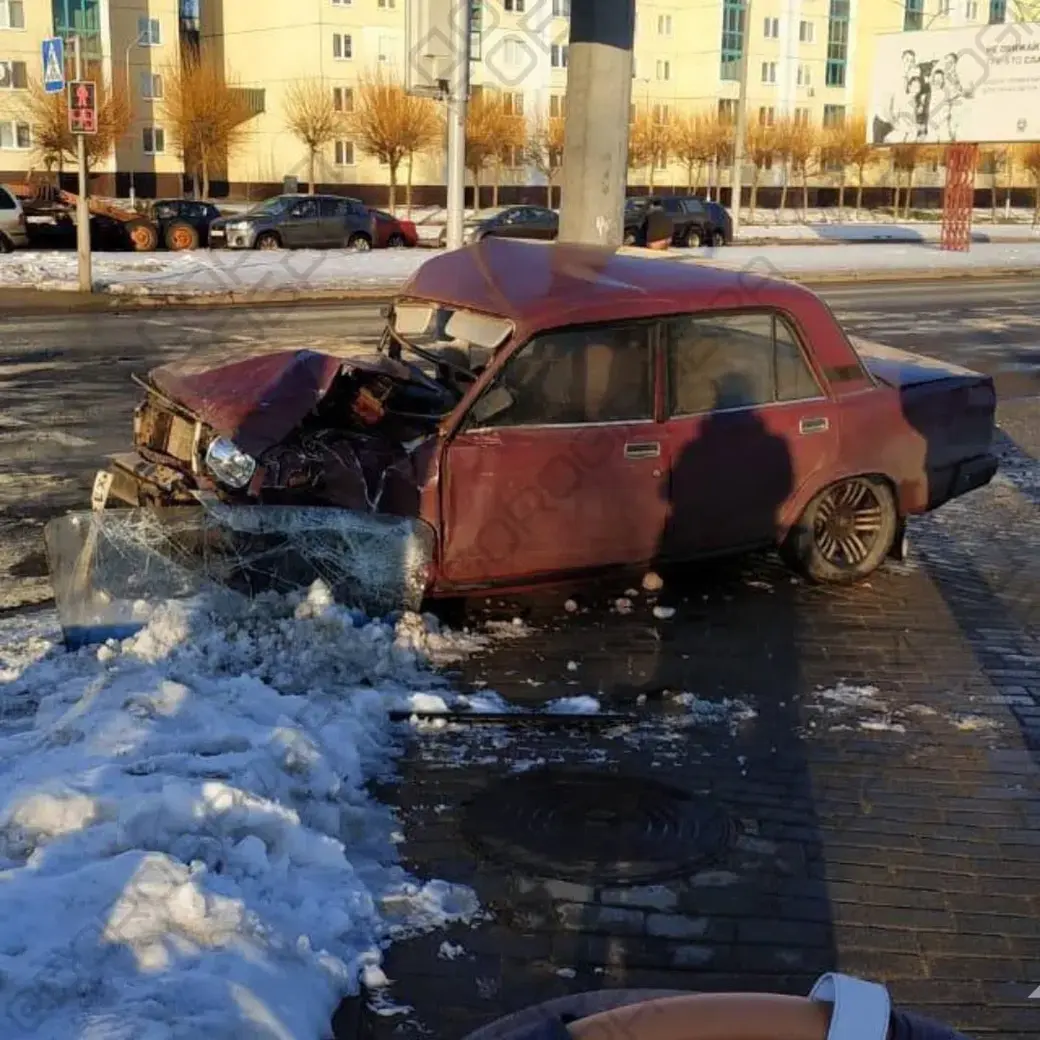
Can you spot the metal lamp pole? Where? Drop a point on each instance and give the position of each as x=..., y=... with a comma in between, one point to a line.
x=86, y=278
x=130, y=102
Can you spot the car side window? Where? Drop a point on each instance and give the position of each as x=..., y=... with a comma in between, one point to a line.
x=304, y=210
x=6, y=199
x=695, y=207
x=577, y=376
x=329, y=207
x=719, y=362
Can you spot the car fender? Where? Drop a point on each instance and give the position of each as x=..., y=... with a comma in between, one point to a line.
x=823, y=478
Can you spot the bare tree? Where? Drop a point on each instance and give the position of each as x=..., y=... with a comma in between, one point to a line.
x=905, y=160
x=48, y=119
x=861, y=154
x=847, y=145
x=207, y=114
x=311, y=116
x=783, y=136
x=391, y=124
x=545, y=149
x=1030, y=160
x=693, y=143
x=512, y=142
x=484, y=123
x=650, y=141
x=803, y=151
x=760, y=145
x=723, y=134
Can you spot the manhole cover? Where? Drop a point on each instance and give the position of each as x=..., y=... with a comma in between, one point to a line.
x=596, y=828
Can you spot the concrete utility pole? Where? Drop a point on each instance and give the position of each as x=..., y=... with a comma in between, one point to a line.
x=736, y=177
x=599, y=97
x=86, y=276
x=457, y=103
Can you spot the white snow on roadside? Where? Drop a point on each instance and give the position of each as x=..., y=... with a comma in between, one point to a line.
x=583, y=705
x=187, y=845
x=702, y=712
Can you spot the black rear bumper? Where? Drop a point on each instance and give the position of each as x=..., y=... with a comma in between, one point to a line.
x=954, y=481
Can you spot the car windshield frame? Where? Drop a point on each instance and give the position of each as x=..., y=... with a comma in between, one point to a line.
x=269, y=207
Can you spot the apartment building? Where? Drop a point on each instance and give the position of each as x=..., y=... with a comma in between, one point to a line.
x=130, y=44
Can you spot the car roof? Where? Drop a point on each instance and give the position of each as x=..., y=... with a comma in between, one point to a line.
x=542, y=285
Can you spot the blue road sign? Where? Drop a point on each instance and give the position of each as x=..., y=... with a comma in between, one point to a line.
x=54, y=65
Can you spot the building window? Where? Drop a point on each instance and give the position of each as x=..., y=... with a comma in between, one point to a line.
x=154, y=140
x=151, y=86
x=664, y=25
x=728, y=110
x=561, y=8
x=769, y=72
x=664, y=70
x=557, y=106
x=344, y=153
x=342, y=46
x=971, y=10
x=342, y=3
x=15, y=136
x=732, y=38
x=558, y=55
x=661, y=114
x=833, y=115
x=149, y=31
x=943, y=10
x=343, y=99
x=805, y=75
x=913, y=16
x=389, y=4
x=997, y=11
x=14, y=75
x=771, y=29
x=801, y=117
x=12, y=14
x=513, y=104
x=837, y=43
x=766, y=115
x=514, y=5
x=807, y=32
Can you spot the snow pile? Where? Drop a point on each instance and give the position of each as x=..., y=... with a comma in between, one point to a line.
x=728, y=711
x=187, y=847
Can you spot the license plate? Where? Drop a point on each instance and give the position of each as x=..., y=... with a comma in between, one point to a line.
x=102, y=487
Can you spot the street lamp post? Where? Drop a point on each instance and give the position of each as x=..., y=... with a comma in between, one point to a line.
x=130, y=101
x=736, y=179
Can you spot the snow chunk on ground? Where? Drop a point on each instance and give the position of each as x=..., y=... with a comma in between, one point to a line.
x=187, y=844
x=583, y=705
x=704, y=712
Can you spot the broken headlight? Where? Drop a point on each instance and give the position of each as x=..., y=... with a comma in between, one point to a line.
x=229, y=465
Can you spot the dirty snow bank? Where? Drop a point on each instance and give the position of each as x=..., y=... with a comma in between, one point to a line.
x=187, y=847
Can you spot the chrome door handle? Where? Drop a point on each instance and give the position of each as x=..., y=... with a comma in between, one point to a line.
x=644, y=450
x=814, y=425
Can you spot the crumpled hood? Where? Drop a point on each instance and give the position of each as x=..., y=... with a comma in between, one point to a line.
x=258, y=402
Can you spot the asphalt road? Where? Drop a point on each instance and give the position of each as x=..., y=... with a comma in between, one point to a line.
x=66, y=395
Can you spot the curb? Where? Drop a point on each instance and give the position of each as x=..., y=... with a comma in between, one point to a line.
x=114, y=303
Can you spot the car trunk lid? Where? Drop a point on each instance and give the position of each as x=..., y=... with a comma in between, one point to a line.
x=900, y=368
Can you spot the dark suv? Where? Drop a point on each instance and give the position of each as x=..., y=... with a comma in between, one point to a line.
x=694, y=222
x=298, y=222
x=183, y=223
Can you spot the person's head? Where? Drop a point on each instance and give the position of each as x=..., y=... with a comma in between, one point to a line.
x=914, y=86
x=938, y=79
x=909, y=57
x=950, y=61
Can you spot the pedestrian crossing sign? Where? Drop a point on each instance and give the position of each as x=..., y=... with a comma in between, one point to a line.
x=54, y=65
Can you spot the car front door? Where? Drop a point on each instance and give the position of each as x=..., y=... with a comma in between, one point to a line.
x=748, y=426
x=564, y=472
x=698, y=217
x=300, y=227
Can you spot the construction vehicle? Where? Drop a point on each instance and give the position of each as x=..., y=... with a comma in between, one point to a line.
x=142, y=233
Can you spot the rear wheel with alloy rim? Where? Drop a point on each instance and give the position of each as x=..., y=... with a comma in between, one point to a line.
x=846, y=531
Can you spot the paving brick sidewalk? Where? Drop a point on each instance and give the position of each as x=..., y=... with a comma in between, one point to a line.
x=897, y=838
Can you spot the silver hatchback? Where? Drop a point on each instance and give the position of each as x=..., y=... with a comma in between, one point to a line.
x=13, y=232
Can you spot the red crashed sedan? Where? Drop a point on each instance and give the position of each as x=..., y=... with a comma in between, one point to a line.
x=392, y=233
x=544, y=410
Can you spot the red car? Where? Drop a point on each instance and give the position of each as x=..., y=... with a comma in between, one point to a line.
x=392, y=233
x=547, y=411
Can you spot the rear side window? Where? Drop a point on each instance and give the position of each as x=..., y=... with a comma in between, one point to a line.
x=580, y=376
x=694, y=206
x=7, y=200
x=330, y=207
x=729, y=361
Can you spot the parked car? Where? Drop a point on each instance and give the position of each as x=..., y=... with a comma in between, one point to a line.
x=693, y=223
x=721, y=218
x=535, y=222
x=550, y=410
x=183, y=223
x=13, y=229
x=298, y=222
x=392, y=233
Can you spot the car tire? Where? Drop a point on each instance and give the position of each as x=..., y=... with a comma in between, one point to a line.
x=359, y=242
x=267, y=240
x=6, y=245
x=846, y=532
x=181, y=236
x=692, y=238
x=143, y=235
x=630, y=238
x=396, y=241
x=718, y=239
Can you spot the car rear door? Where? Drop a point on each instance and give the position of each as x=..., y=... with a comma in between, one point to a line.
x=299, y=229
x=748, y=427
x=570, y=475
x=331, y=223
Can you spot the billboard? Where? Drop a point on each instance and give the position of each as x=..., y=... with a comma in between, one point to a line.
x=977, y=84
